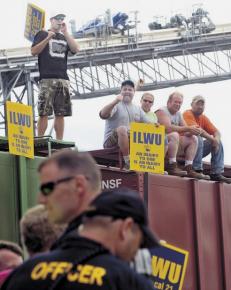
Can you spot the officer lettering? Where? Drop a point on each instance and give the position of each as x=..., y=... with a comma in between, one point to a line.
x=84, y=274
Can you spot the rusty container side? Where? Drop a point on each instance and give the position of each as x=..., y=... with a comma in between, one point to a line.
x=208, y=235
x=114, y=178
x=225, y=210
x=191, y=214
x=171, y=215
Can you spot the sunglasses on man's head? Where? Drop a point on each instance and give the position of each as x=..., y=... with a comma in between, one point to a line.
x=147, y=101
x=47, y=188
x=59, y=18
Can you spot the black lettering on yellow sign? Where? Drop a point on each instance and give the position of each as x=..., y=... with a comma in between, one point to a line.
x=147, y=160
x=163, y=268
x=84, y=274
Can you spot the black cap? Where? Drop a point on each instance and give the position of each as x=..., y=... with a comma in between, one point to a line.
x=122, y=203
x=128, y=83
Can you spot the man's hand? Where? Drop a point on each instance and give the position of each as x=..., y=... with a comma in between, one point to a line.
x=139, y=84
x=119, y=98
x=106, y=111
x=39, y=47
x=50, y=34
x=194, y=130
x=63, y=28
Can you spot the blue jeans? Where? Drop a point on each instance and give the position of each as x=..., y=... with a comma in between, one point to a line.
x=217, y=159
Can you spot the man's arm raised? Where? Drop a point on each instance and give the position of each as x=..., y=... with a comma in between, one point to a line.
x=106, y=111
x=38, y=48
x=74, y=47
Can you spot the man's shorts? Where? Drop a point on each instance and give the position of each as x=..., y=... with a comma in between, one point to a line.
x=112, y=140
x=54, y=96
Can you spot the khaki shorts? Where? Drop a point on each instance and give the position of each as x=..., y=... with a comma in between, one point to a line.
x=112, y=140
x=54, y=96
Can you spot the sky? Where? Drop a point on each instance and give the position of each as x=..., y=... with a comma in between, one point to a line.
x=85, y=126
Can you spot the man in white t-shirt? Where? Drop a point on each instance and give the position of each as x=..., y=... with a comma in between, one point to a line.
x=118, y=115
x=182, y=139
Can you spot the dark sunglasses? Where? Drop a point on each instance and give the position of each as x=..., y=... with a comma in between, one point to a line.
x=59, y=18
x=147, y=101
x=47, y=188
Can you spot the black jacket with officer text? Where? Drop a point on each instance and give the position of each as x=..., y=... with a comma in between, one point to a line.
x=78, y=263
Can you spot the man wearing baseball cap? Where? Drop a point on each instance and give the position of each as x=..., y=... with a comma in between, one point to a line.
x=52, y=48
x=209, y=140
x=57, y=15
x=114, y=227
x=124, y=204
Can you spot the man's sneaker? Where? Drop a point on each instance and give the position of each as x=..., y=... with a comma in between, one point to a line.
x=172, y=169
x=194, y=174
x=220, y=177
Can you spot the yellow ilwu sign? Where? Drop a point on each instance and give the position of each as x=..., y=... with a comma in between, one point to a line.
x=35, y=21
x=20, y=129
x=147, y=147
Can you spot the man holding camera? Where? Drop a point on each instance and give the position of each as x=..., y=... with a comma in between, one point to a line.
x=52, y=48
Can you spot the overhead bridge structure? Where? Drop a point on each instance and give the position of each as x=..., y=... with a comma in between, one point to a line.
x=162, y=58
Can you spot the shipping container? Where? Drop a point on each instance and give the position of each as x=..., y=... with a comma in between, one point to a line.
x=190, y=214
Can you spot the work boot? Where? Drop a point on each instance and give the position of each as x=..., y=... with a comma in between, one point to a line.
x=126, y=165
x=220, y=177
x=172, y=169
x=194, y=174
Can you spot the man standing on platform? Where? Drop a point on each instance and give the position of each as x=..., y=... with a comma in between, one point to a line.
x=52, y=48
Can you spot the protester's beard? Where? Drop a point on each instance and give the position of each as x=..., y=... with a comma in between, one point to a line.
x=127, y=99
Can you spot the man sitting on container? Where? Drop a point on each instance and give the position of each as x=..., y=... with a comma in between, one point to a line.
x=118, y=115
x=181, y=138
x=209, y=140
x=146, y=102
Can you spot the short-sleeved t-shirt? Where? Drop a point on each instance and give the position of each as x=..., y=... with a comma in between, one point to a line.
x=122, y=115
x=175, y=119
x=202, y=121
x=52, y=60
x=152, y=117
